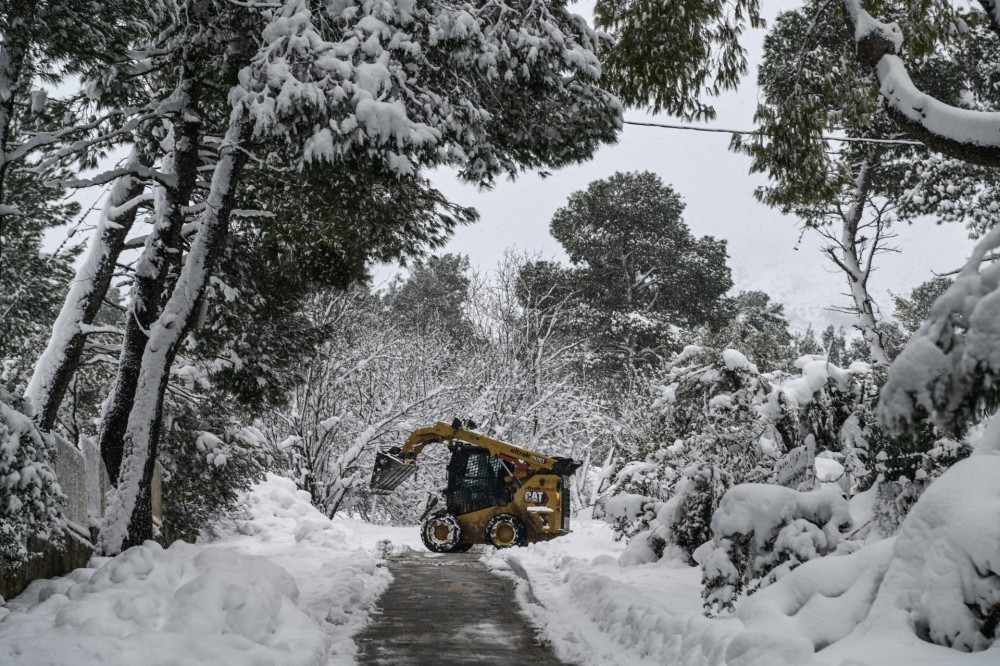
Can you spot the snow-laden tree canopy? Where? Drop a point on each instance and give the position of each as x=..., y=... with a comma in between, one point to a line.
x=365, y=92
x=490, y=89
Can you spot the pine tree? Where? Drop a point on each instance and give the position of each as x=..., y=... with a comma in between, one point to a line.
x=440, y=102
x=638, y=274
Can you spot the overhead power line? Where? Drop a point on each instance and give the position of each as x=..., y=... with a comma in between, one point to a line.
x=720, y=130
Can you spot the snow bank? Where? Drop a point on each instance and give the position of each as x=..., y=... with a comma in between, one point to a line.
x=945, y=573
x=823, y=600
x=282, y=586
x=597, y=613
x=758, y=509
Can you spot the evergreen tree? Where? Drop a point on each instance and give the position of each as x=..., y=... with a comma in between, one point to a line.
x=233, y=91
x=31, y=280
x=758, y=329
x=638, y=275
x=670, y=56
x=853, y=194
x=434, y=295
x=914, y=311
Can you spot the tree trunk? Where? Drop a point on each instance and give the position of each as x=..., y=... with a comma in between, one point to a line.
x=61, y=357
x=13, y=53
x=857, y=273
x=128, y=516
x=160, y=257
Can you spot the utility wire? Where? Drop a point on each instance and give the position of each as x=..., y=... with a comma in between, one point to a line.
x=845, y=139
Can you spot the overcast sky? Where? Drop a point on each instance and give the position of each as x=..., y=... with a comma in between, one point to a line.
x=764, y=248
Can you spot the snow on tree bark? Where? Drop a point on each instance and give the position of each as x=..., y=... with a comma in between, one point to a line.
x=61, y=357
x=128, y=521
x=159, y=260
x=856, y=267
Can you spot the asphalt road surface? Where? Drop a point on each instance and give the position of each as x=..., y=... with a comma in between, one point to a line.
x=449, y=610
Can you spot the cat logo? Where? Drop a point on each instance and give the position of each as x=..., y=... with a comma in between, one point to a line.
x=536, y=497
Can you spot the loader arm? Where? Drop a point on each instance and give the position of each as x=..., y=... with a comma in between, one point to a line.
x=396, y=465
x=442, y=432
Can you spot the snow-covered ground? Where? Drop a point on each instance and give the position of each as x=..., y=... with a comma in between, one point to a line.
x=596, y=612
x=283, y=585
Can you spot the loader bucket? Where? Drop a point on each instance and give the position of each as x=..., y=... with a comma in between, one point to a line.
x=389, y=472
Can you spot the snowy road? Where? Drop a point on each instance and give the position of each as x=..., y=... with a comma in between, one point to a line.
x=449, y=609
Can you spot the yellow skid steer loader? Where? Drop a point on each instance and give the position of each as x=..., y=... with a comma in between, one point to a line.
x=497, y=493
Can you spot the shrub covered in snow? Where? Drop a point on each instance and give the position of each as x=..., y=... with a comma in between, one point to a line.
x=681, y=523
x=30, y=496
x=208, y=467
x=903, y=475
x=720, y=422
x=760, y=533
x=944, y=578
x=709, y=433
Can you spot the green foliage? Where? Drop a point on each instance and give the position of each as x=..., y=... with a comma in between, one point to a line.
x=254, y=331
x=810, y=80
x=761, y=533
x=915, y=310
x=812, y=83
x=638, y=275
x=670, y=55
x=709, y=402
x=904, y=474
x=209, y=463
x=757, y=327
x=326, y=225
x=434, y=294
x=634, y=253
x=32, y=282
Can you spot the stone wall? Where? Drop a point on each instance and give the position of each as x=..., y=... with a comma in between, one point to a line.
x=85, y=483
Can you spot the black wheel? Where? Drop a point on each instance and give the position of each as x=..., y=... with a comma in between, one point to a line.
x=442, y=533
x=506, y=530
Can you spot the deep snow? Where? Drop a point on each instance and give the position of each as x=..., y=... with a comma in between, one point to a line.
x=285, y=585
x=596, y=612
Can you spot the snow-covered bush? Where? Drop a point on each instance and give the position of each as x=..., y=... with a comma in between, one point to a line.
x=760, y=533
x=639, y=485
x=825, y=408
x=683, y=522
x=208, y=467
x=944, y=578
x=30, y=496
x=708, y=432
x=903, y=475
x=710, y=405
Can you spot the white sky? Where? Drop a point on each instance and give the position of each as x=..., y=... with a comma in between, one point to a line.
x=764, y=247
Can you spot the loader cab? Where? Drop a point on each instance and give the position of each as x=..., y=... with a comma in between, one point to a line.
x=475, y=480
